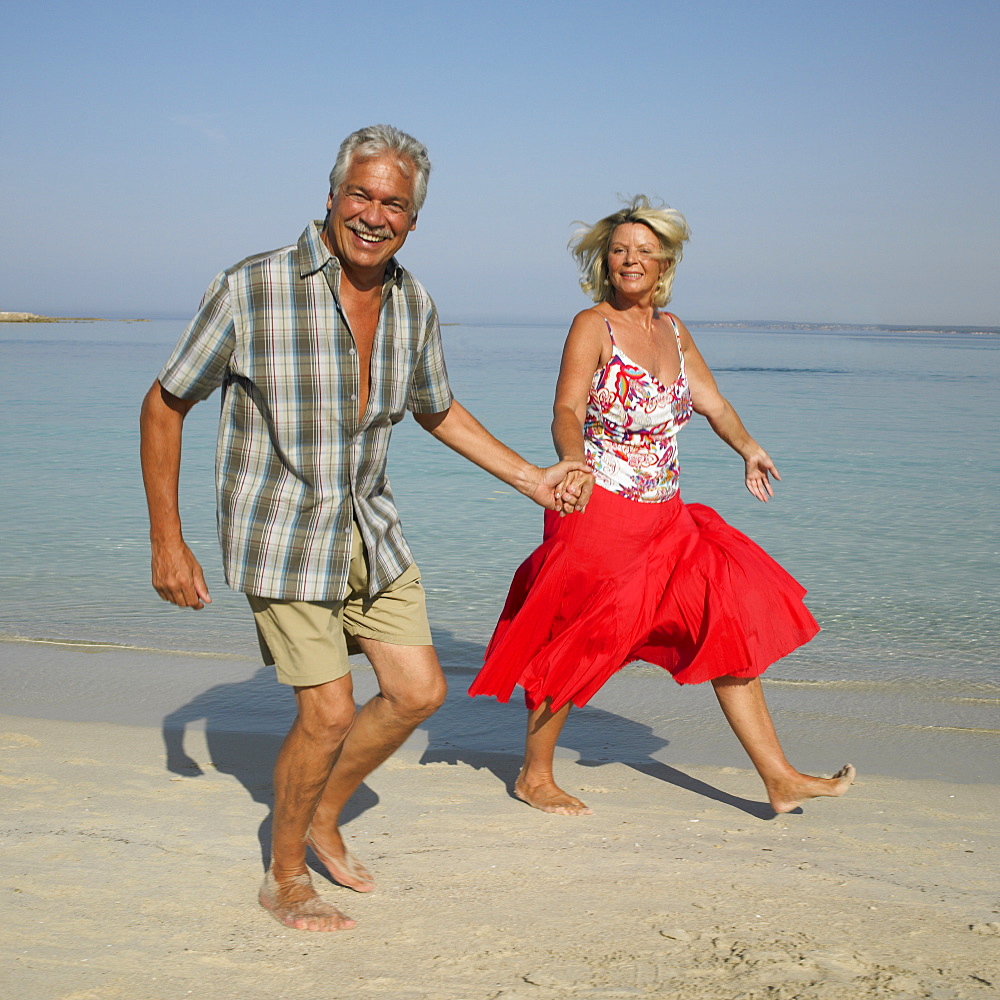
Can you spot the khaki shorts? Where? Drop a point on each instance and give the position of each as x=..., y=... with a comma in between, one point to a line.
x=309, y=641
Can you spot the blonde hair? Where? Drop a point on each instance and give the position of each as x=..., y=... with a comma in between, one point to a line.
x=591, y=246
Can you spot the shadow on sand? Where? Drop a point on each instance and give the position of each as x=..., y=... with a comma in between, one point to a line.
x=480, y=733
x=269, y=709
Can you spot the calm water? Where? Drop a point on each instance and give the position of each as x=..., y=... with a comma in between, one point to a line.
x=887, y=510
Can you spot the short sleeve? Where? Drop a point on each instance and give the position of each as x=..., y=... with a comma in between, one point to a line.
x=198, y=363
x=430, y=391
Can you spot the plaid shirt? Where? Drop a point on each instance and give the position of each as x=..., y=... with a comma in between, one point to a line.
x=294, y=465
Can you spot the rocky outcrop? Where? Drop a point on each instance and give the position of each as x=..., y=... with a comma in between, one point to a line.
x=15, y=317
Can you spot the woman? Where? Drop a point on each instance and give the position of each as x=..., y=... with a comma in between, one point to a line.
x=634, y=573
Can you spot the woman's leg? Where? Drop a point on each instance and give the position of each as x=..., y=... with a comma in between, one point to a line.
x=535, y=784
x=742, y=701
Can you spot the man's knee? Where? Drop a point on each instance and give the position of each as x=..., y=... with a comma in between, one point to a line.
x=326, y=711
x=418, y=701
x=432, y=697
x=409, y=677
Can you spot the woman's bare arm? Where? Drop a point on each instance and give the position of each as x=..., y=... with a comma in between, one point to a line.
x=725, y=421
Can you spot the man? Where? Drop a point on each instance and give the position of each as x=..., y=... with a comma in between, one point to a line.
x=319, y=348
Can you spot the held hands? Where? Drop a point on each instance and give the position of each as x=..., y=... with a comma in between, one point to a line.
x=758, y=467
x=177, y=575
x=564, y=487
x=573, y=493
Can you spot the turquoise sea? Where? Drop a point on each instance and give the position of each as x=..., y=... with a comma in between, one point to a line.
x=887, y=509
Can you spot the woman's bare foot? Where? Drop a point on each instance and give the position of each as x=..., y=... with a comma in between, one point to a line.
x=549, y=797
x=787, y=794
x=344, y=868
x=293, y=901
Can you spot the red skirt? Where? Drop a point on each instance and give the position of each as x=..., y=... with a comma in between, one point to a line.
x=669, y=583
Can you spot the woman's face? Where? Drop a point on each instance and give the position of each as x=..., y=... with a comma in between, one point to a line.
x=634, y=262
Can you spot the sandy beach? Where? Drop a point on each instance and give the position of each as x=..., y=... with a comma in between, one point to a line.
x=131, y=863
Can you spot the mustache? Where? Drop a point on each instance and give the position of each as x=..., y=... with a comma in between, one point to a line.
x=363, y=229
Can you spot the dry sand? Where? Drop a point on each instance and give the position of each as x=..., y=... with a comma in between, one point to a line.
x=124, y=879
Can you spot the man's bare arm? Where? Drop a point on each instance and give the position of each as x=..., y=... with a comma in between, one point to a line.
x=460, y=430
x=177, y=576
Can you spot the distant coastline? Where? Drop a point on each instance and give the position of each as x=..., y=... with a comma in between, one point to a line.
x=773, y=326
x=23, y=317
x=779, y=325
x=776, y=326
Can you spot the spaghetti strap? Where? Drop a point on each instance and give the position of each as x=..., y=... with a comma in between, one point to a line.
x=607, y=323
x=677, y=337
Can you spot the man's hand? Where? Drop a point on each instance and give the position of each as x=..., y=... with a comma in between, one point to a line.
x=177, y=576
x=550, y=494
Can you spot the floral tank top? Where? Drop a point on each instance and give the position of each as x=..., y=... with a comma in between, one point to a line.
x=630, y=430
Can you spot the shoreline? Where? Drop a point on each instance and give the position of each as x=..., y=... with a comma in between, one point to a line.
x=680, y=884
x=640, y=719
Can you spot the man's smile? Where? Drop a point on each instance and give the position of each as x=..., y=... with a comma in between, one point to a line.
x=369, y=235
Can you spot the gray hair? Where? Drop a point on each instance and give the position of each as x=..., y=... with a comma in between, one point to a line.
x=380, y=140
x=590, y=246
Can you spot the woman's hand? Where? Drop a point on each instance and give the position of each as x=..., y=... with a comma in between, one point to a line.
x=573, y=493
x=546, y=489
x=758, y=467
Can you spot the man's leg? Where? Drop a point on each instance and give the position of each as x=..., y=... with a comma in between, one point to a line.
x=742, y=702
x=411, y=688
x=325, y=716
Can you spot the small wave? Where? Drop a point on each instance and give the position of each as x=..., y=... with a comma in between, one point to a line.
x=938, y=687
x=784, y=371
x=93, y=647
x=949, y=729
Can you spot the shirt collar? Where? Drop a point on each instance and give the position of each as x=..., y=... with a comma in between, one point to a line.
x=314, y=255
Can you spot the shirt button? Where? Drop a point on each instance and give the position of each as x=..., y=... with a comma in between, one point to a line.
x=354, y=395
x=352, y=352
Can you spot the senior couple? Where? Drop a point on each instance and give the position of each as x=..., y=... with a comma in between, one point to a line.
x=319, y=348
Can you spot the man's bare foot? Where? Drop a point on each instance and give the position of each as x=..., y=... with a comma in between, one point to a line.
x=550, y=798
x=789, y=793
x=344, y=868
x=293, y=901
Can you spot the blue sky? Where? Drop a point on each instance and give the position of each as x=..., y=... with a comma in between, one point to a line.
x=836, y=161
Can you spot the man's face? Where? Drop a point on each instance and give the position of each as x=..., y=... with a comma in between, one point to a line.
x=370, y=215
